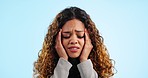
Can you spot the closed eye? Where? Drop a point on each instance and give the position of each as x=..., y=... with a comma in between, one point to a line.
x=80, y=36
x=66, y=36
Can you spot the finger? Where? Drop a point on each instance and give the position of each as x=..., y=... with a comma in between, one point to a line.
x=59, y=36
x=58, y=40
x=87, y=38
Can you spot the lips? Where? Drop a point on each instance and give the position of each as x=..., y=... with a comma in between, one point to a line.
x=73, y=49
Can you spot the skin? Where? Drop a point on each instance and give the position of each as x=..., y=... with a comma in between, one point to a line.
x=71, y=42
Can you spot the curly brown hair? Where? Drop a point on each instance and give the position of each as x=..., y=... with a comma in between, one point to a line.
x=48, y=56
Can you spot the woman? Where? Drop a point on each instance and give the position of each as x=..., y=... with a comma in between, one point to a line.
x=73, y=48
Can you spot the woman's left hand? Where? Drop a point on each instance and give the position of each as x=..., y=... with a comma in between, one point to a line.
x=87, y=47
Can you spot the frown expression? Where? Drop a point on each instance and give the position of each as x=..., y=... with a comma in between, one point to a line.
x=73, y=37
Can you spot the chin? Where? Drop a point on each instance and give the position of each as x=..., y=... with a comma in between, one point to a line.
x=73, y=57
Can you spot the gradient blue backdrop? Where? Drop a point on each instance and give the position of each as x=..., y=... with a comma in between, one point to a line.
x=122, y=23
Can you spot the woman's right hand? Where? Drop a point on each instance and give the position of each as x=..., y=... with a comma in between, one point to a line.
x=59, y=47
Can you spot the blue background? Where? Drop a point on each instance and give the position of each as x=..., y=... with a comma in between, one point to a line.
x=122, y=23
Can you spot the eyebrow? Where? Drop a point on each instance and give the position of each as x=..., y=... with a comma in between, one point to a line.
x=79, y=30
x=75, y=30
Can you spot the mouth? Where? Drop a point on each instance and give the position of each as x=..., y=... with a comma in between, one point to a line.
x=73, y=49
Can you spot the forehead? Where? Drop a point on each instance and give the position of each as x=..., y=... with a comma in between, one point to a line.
x=73, y=24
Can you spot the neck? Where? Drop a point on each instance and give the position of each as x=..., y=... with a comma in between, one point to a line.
x=74, y=61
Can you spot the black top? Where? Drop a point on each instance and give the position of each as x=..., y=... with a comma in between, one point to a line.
x=74, y=72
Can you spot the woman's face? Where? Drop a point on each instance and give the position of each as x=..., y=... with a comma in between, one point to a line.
x=73, y=37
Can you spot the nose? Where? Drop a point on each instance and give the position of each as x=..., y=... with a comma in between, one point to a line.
x=73, y=39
